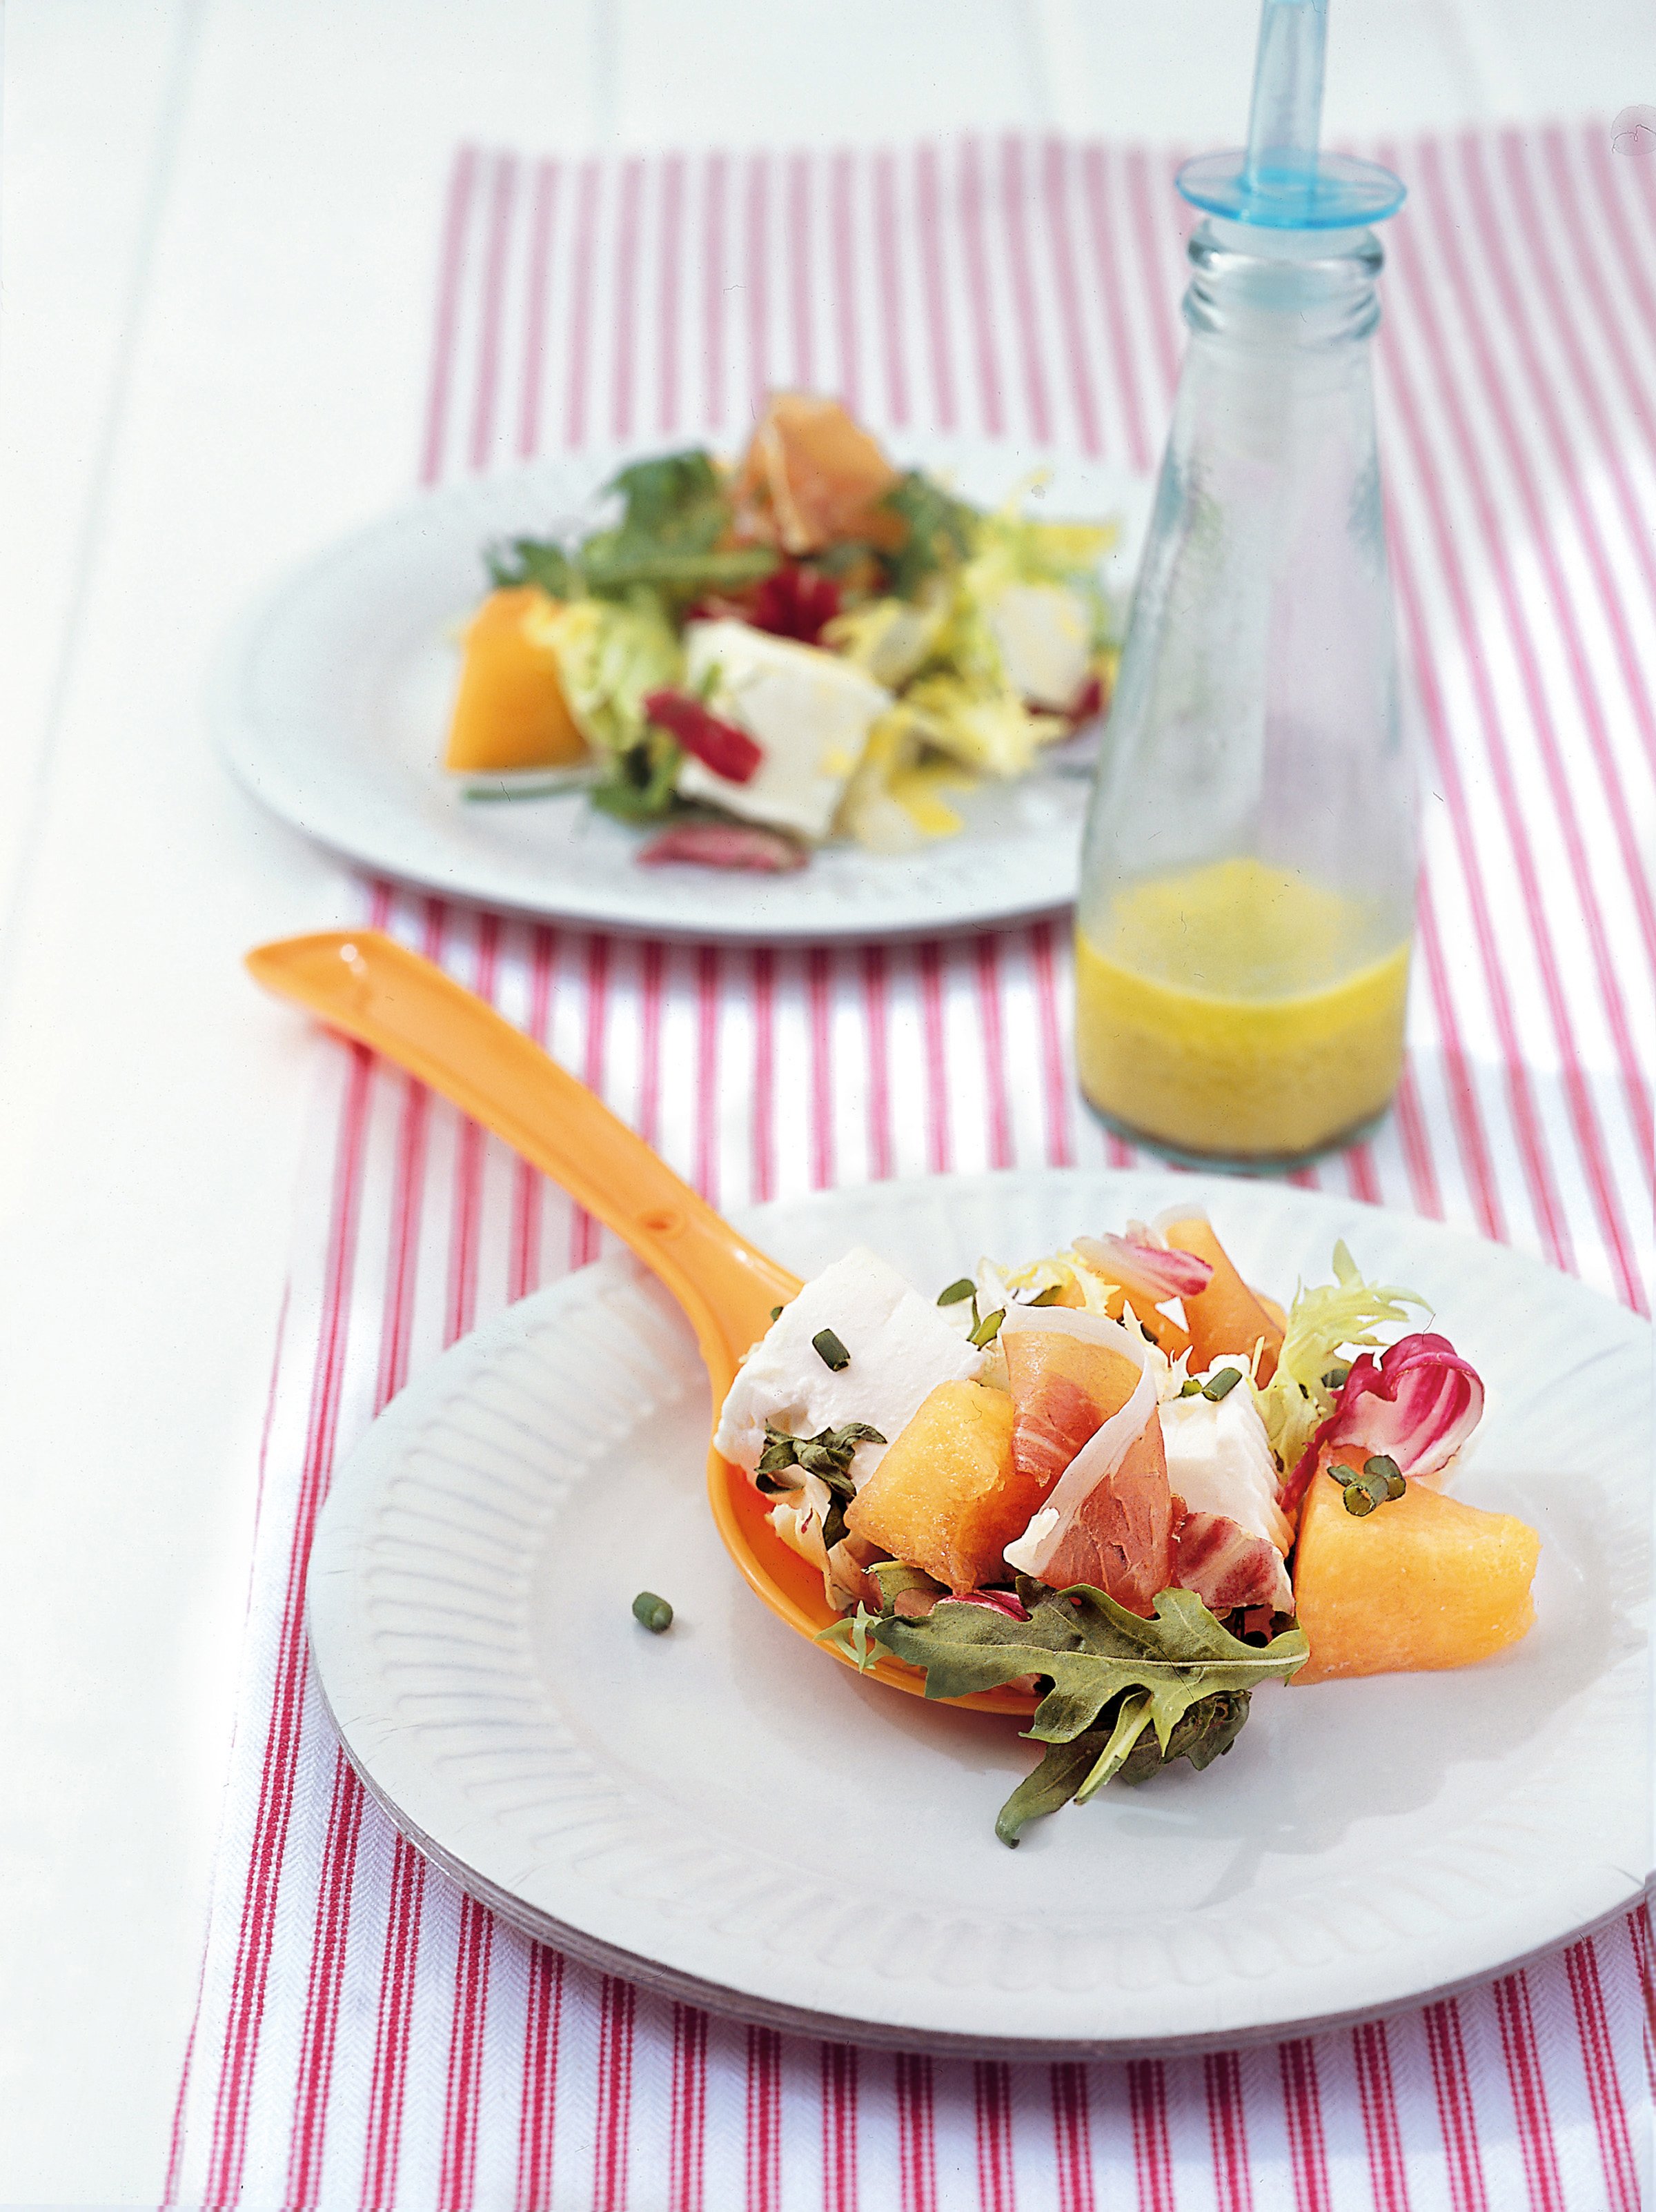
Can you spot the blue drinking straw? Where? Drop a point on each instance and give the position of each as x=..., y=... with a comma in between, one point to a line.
x=1282, y=181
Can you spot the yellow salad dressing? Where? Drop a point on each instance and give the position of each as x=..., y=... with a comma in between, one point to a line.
x=1239, y=1010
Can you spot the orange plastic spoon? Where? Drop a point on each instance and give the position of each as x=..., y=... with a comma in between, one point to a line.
x=366, y=984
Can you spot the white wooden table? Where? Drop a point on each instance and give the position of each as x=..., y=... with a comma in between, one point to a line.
x=205, y=372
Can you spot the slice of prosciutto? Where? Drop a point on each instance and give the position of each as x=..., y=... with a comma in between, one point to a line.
x=1067, y=1377
x=1108, y=1518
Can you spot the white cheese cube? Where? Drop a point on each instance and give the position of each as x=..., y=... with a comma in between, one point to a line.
x=900, y=1346
x=1219, y=1460
x=1045, y=633
x=808, y=711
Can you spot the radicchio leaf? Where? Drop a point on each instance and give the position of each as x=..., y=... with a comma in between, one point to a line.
x=1152, y=1269
x=724, y=845
x=1418, y=1403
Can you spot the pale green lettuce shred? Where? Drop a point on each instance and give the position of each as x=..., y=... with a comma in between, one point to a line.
x=941, y=654
x=610, y=654
x=976, y=719
x=1323, y=1321
x=890, y=639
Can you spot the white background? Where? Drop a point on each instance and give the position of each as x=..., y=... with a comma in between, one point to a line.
x=215, y=268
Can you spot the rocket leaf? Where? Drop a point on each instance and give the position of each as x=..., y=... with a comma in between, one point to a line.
x=1207, y=1731
x=1089, y=1650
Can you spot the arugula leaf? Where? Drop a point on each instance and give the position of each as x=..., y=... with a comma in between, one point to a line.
x=940, y=528
x=674, y=511
x=639, y=787
x=851, y=1634
x=611, y=565
x=1206, y=1732
x=673, y=500
x=827, y=1455
x=533, y=561
x=899, y=1582
x=1048, y=1787
x=1090, y=1649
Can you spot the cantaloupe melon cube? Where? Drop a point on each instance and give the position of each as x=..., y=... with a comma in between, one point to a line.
x=1226, y=1317
x=509, y=711
x=1421, y=1582
x=946, y=1497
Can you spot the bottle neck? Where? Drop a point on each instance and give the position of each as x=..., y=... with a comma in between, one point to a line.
x=1305, y=291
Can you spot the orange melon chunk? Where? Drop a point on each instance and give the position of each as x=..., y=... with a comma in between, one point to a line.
x=509, y=711
x=1423, y=1582
x=946, y=1497
x=1225, y=1317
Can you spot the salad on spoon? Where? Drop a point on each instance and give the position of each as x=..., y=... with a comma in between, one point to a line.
x=1122, y=1480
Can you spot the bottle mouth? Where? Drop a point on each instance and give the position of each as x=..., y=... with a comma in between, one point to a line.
x=1331, y=191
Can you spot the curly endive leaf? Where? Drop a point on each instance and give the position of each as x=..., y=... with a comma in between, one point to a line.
x=1090, y=1649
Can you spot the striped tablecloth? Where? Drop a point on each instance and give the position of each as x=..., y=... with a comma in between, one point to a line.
x=367, y=2035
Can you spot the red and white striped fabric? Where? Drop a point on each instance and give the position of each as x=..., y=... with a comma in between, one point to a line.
x=366, y=2034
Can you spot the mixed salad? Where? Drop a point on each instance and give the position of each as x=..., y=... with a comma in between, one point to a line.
x=1122, y=1478
x=746, y=661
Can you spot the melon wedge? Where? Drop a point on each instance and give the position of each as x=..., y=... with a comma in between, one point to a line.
x=509, y=711
x=946, y=1497
x=1421, y=1582
x=1226, y=1317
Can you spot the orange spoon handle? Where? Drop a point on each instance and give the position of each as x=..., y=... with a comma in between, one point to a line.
x=363, y=982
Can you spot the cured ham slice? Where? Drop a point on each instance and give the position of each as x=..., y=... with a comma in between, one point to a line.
x=1224, y=1315
x=1066, y=1379
x=1226, y=1567
x=1108, y=1520
x=811, y=476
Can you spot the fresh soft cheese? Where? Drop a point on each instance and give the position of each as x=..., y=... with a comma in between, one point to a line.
x=1044, y=636
x=808, y=711
x=900, y=1347
x=1219, y=1460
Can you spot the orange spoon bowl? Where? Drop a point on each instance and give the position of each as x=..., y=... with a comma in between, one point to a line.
x=364, y=984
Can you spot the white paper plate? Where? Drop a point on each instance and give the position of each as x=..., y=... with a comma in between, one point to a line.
x=725, y=1814
x=331, y=700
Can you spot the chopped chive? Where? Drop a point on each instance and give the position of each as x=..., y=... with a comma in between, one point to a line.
x=1335, y=1377
x=1049, y=1296
x=1374, y=1486
x=776, y=1313
x=988, y=1327
x=1190, y=1388
x=829, y=1349
x=652, y=1612
x=1383, y=1468
x=956, y=1292
x=1221, y=1384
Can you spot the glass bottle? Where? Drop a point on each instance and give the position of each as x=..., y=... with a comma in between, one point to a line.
x=1247, y=887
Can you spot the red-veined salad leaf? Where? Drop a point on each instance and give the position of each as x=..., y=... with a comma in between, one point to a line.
x=1417, y=1404
x=711, y=844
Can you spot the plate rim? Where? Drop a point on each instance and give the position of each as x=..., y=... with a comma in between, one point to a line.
x=731, y=2001
x=266, y=776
